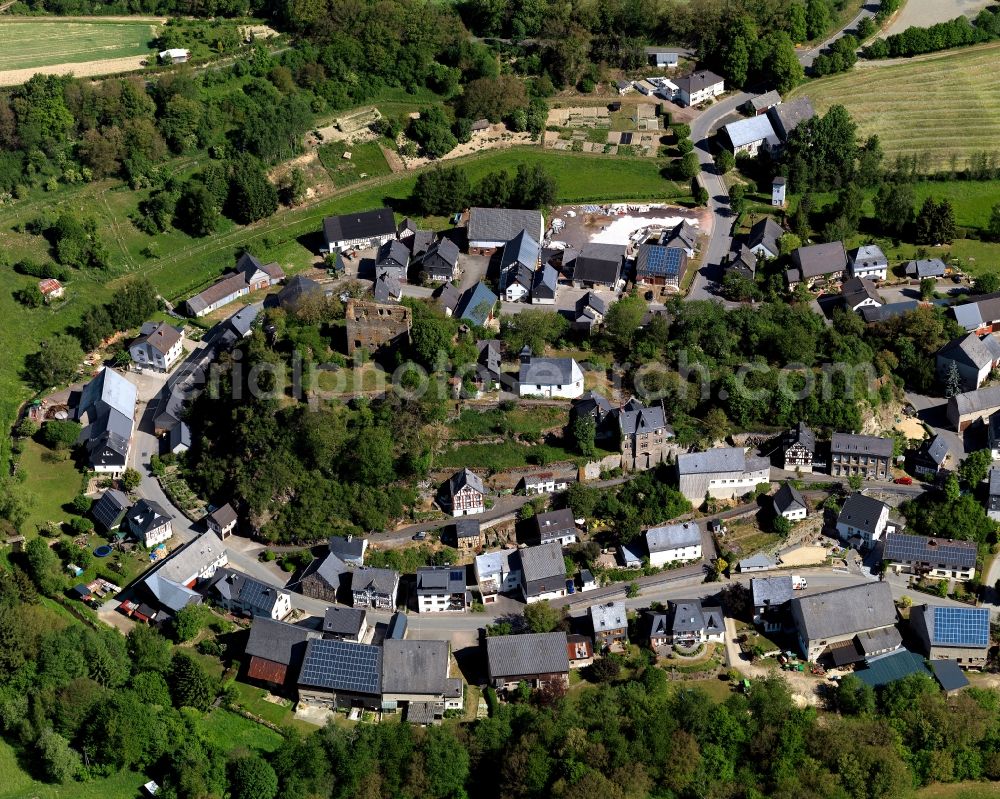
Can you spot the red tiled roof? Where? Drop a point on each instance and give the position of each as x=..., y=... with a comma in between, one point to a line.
x=266, y=670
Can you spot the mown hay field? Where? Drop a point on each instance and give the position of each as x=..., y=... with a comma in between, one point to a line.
x=942, y=104
x=29, y=44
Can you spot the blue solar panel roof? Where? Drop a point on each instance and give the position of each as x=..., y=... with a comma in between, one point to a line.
x=342, y=666
x=657, y=260
x=961, y=626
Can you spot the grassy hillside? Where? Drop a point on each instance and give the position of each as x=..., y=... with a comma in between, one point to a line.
x=942, y=104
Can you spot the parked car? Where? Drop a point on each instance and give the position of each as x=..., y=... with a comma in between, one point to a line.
x=903, y=481
x=420, y=536
x=570, y=586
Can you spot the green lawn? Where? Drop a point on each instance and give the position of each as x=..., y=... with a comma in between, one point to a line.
x=25, y=44
x=16, y=783
x=507, y=455
x=366, y=161
x=932, y=106
x=231, y=731
x=531, y=421
x=50, y=484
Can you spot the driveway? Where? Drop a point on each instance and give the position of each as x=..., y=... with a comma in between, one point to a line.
x=806, y=57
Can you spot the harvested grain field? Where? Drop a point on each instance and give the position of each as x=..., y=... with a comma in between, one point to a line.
x=924, y=13
x=935, y=106
x=49, y=43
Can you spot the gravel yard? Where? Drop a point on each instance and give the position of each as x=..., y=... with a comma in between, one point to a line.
x=923, y=13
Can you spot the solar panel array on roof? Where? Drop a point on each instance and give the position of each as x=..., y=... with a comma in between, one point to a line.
x=626, y=138
x=961, y=626
x=342, y=666
x=922, y=549
x=657, y=260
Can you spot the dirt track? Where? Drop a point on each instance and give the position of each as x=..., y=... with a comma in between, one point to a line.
x=87, y=69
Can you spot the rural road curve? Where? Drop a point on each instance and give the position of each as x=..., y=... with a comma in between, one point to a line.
x=806, y=57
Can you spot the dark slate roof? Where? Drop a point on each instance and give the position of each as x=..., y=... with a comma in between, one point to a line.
x=467, y=528
x=820, y=259
x=465, y=477
x=788, y=116
x=477, y=304
x=636, y=418
x=223, y=516
x=236, y=586
x=697, y=81
x=845, y=611
x=549, y=371
x=414, y=667
x=658, y=260
x=766, y=232
x=502, y=224
x=788, y=497
x=803, y=435
x=382, y=581
x=856, y=290
x=366, y=224
x=925, y=267
x=146, y=515
x=278, y=641
x=110, y=508
x=158, y=335
x=180, y=436
x=685, y=616
x=342, y=666
x=387, y=288
x=861, y=512
x=591, y=300
x=851, y=444
x=949, y=675
x=522, y=250
x=723, y=459
x=871, y=642
x=599, y=263
x=546, y=282
x=344, y=621
x=531, y=653
x=445, y=249
x=543, y=562
x=328, y=569
x=971, y=349
x=556, y=522
x=397, y=627
x=347, y=548
x=448, y=296
x=771, y=591
x=976, y=401
x=935, y=449
x=393, y=253
x=673, y=536
x=905, y=548
x=608, y=616
x=432, y=580
x=871, y=314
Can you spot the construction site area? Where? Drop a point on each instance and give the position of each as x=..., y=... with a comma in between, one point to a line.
x=635, y=129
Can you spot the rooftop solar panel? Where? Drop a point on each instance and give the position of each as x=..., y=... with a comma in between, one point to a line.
x=342, y=666
x=626, y=138
x=655, y=259
x=961, y=626
x=921, y=549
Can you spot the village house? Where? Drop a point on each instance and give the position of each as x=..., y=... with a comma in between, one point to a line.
x=938, y=558
x=981, y=316
x=862, y=517
x=477, y=305
x=275, y=650
x=750, y=136
x=171, y=584
x=772, y=597
x=106, y=410
x=661, y=57
x=610, y=625
x=447, y=298
x=159, y=345
x=222, y=521
x=463, y=494
x=597, y=265
x=544, y=483
x=830, y=620
x=958, y=634
x=51, y=289
x=654, y=629
x=762, y=102
x=374, y=588
x=325, y=578
x=972, y=357
x=673, y=542
x=442, y=588
x=756, y=563
x=555, y=526
x=696, y=88
x=358, y=230
x=387, y=289
x=579, y=650
x=742, y=261
x=973, y=406
x=518, y=262
x=763, y=238
x=553, y=378
x=415, y=680
x=244, y=595
x=174, y=55
x=345, y=624
x=789, y=503
x=468, y=535
x=545, y=286
x=817, y=261
x=799, y=449
x=372, y=325
x=250, y=275
x=930, y=458
x=350, y=549
x=660, y=265
x=724, y=473
x=623, y=87
x=869, y=456
x=110, y=508
x=590, y=313
x=787, y=116
x=179, y=439
x=641, y=434
x=993, y=496
x=340, y=674
x=860, y=292
x=689, y=623
x=539, y=659
x=149, y=523
x=543, y=573
x=440, y=262
x=925, y=268
x=489, y=229
x=497, y=573
x=868, y=262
